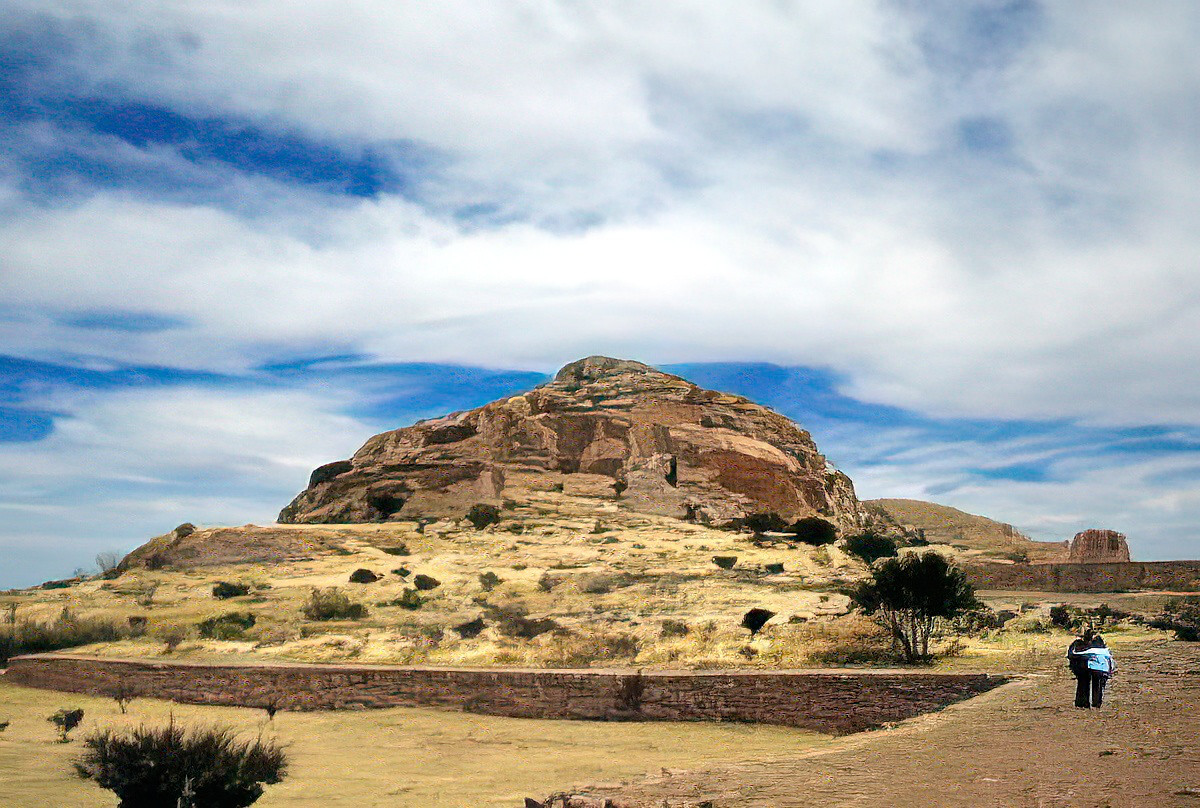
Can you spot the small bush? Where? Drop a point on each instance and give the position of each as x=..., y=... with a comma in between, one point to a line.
x=1181, y=617
x=674, y=628
x=489, y=580
x=223, y=590
x=65, y=721
x=513, y=621
x=399, y=550
x=425, y=583
x=870, y=547
x=63, y=584
x=482, y=514
x=229, y=626
x=773, y=569
x=409, y=599
x=769, y=522
x=172, y=637
x=981, y=619
x=363, y=576
x=403, y=572
x=600, y=583
x=160, y=767
x=814, y=530
x=755, y=619
x=725, y=562
x=470, y=629
x=332, y=604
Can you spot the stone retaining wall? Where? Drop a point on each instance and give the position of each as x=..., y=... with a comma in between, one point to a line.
x=826, y=701
x=1129, y=576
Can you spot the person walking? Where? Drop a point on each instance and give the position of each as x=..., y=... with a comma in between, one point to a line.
x=1101, y=667
x=1077, y=660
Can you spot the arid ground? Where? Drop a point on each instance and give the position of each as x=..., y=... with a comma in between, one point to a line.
x=1020, y=745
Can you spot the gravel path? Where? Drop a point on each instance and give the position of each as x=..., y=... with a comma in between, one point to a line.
x=1023, y=744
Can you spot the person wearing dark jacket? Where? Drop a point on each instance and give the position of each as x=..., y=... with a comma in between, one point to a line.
x=1078, y=662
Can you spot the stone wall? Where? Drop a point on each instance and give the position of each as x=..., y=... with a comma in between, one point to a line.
x=827, y=701
x=1158, y=576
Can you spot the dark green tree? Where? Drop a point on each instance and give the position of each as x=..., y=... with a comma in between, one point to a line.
x=910, y=595
x=870, y=546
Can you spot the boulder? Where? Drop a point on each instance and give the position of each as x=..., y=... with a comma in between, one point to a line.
x=605, y=428
x=1098, y=547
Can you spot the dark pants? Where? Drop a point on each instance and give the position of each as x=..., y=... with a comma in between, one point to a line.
x=1099, y=680
x=1083, y=688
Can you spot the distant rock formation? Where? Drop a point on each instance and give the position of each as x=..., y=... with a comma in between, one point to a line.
x=603, y=427
x=942, y=524
x=1098, y=547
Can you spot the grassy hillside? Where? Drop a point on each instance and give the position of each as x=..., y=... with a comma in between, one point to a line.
x=560, y=581
x=966, y=531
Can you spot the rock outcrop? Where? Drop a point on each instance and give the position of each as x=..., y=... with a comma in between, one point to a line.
x=1098, y=547
x=602, y=427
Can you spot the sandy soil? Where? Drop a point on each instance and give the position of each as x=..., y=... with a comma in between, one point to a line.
x=1023, y=744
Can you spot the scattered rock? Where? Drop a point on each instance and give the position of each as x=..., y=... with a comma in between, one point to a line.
x=425, y=582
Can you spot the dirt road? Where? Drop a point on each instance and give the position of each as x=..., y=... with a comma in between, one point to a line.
x=1023, y=744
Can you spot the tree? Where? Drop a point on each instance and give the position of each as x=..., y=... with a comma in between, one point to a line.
x=152, y=767
x=911, y=595
x=108, y=562
x=482, y=514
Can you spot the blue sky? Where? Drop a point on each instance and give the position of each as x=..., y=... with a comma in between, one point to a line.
x=956, y=240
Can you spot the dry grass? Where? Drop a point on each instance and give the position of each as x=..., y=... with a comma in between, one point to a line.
x=395, y=757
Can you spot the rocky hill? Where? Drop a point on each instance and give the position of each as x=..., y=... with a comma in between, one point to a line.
x=942, y=524
x=1098, y=547
x=603, y=428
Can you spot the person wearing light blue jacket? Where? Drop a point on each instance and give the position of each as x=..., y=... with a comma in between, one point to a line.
x=1101, y=667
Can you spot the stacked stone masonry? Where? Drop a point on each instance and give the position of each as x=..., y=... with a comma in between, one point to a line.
x=827, y=701
x=1132, y=576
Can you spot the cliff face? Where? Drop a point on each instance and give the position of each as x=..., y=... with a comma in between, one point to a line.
x=603, y=427
x=1098, y=546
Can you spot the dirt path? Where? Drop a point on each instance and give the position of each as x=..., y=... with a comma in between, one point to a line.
x=1020, y=745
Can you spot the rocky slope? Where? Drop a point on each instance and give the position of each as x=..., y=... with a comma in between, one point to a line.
x=604, y=428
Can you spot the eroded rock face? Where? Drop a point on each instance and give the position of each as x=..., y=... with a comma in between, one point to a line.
x=1098, y=547
x=603, y=427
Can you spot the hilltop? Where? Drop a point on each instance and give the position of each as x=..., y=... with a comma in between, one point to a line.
x=968, y=532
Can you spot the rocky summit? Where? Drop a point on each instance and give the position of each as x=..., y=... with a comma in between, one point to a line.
x=1098, y=547
x=653, y=442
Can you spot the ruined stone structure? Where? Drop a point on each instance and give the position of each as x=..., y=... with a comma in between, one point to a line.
x=826, y=701
x=602, y=427
x=1098, y=547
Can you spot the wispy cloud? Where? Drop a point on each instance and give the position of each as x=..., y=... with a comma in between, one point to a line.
x=974, y=215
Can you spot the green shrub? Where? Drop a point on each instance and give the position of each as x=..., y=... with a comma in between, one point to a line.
x=814, y=530
x=161, y=767
x=65, y=721
x=425, y=582
x=725, y=562
x=514, y=621
x=768, y=522
x=674, y=628
x=482, y=514
x=870, y=546
x=470, y=629
x=66, y=631
x=1181, y=617
x=399, y=550
x=755, y=619
x=489, y=580
x=363, y=576
x=409, y=599
x=230, y=626
x=224, y=590
x=63, y=584
x=332, y=604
